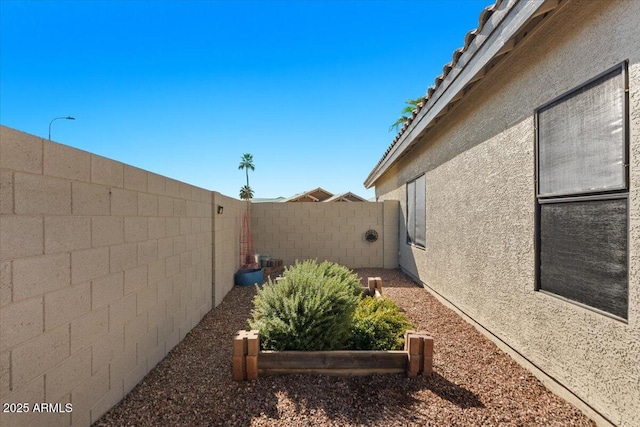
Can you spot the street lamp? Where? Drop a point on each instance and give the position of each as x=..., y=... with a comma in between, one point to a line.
x=58, y=118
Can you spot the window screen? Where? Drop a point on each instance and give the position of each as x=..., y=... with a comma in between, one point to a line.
x=411, y=212
x=421, y=212
x=416, y=211
x=583, y=252
x=582, y=194
x=583, y=140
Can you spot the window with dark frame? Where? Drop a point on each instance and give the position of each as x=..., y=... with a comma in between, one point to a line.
x=416, y=212
x=582, y=194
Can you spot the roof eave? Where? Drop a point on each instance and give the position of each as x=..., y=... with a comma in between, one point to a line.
x=495, y=38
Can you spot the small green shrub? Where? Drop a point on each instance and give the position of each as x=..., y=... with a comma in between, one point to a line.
x=378, y=324
x=311, y=309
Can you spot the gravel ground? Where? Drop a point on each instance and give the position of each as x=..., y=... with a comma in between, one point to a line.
x=474, y=383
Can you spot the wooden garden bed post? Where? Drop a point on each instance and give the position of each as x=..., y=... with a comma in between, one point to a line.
x=246, y=346
x=375, y=286
x=253, y=347
x=419, y=348
x=240, y=348
x=371, y=281
x=427, y=362
x=413, y=347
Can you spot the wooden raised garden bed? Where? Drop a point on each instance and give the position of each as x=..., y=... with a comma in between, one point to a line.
x=416, y=358
x=249, y=362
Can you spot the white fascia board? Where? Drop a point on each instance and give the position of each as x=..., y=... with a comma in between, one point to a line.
x=499, y=30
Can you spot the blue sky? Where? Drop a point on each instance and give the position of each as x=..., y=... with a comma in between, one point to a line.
x=184, y=88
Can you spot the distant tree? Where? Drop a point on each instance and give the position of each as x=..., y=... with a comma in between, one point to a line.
x=246, y=193
x=246, y=163
x=411, y=106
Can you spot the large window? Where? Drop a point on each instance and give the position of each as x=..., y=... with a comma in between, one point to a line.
x=416, y=212
x=582, y=194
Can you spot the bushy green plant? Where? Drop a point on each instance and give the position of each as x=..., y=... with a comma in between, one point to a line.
x=311, y=309
x=378, y=324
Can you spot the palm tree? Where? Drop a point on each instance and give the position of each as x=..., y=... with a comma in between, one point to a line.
x=247, y=163
x=246, y=193
x=412, y=104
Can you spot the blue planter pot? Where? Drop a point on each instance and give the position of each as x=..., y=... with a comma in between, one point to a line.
x=248, y=277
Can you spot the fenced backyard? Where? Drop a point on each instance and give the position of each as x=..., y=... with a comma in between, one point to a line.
x=473, y=383
x=116, y=288
x=105, y=268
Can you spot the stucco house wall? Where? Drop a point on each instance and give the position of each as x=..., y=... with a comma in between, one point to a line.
x=480, y=207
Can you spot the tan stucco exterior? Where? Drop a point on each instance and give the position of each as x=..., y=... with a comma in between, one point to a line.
x=480, y=207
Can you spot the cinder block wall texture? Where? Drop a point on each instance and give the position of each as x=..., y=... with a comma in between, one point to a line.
x=104, y=268
x=226, y=243
x=327, y=231
x=480, y=207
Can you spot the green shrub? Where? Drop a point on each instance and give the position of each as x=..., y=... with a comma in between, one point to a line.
x=311, y=309
x=378, y=324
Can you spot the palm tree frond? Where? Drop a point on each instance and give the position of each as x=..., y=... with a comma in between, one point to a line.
x=398, y=123
x=407, y=111
x=246, y=193
x=416, y=101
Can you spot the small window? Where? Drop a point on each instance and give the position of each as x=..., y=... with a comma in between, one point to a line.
x=582, y=195
x=416, y=212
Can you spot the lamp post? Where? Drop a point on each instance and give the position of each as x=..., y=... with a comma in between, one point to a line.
x=58, y=118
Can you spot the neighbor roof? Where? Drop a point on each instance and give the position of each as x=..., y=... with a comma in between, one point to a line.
x=502, y=26
x=345, y=197
x=317, y=195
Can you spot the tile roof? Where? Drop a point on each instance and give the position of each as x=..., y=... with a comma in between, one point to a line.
x=474, y=40
x=484, y=17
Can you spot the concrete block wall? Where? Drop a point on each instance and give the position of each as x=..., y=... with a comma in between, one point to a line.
x=104, y=268
x=327, y=231
x=226, y=243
